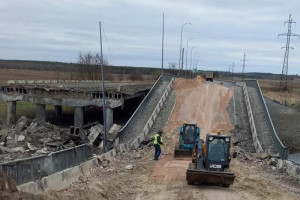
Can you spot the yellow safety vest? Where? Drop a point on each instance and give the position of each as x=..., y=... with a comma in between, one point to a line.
x=155, y=139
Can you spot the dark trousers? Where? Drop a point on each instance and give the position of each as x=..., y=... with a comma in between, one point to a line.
x=157, y=151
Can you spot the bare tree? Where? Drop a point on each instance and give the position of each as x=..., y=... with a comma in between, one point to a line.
x=90, y=66
x=172, y=67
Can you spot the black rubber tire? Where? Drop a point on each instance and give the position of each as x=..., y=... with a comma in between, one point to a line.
x=226, y=185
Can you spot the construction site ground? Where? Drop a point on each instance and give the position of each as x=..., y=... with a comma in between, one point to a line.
x=135, y=175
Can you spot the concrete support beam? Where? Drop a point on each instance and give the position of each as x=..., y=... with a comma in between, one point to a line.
x=41, y=112
x=109, y=118
x=58, y=111
x=78, y=116
x=11, y=112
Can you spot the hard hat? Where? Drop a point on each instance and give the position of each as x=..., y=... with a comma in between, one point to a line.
x=184, y=122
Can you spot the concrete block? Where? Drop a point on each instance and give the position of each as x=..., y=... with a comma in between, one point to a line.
x=142, y=136
x=122, y=148
x=117, y=142
x=113, y=132
x=291, y=168
x=135, y=144
x=86, y=166
x=279, y=164
x=31, y=187
x=94, y=132
x=112, y=153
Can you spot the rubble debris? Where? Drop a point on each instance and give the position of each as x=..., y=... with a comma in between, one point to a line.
x=31, y=147
x=113, y=132
x=3, y=133
x=138, y=155
x=21, y=124
x=261, y=156
x=129, y=167
x=12, y=150
x=33, y=138
x=95, y=131
x=21, y=138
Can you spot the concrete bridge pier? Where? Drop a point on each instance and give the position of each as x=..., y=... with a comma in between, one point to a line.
x=78, y=116
x=11, y=112
x=109, y=117
x=58, y=111
x=40, y=112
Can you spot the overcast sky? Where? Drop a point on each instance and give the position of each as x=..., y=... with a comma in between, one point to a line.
x=58, y=30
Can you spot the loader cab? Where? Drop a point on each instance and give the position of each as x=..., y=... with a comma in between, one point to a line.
x=217, y=152
x=189, y=134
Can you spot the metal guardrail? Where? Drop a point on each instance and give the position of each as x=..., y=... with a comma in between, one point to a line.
x=133, y=119
x=281, y=149
x=256, y=143
x=34, y=168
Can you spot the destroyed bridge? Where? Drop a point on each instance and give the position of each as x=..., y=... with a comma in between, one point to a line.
x=77, y=94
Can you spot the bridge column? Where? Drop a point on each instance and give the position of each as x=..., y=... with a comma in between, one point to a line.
x=78, y=116
x=58, y=111
x=11, y=112
x=109, y=118
x=40, y=112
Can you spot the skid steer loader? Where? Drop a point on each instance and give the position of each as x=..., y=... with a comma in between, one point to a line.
x=189, y=133
x=211, y=160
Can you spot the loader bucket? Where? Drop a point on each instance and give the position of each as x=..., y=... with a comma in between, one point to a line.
x=203, y=176
x=182, y=153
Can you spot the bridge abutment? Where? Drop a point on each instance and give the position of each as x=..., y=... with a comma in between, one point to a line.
x=41, y=112
x=109, y=117
x=11, y=112
x=78, y=116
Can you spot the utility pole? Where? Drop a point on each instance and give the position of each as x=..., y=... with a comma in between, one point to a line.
x=244, y=65
x=285, y=66
x=103, y=91
x=162, y=45
x=232, y=68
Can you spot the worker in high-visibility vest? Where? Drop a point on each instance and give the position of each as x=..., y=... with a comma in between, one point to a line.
x=157, y=142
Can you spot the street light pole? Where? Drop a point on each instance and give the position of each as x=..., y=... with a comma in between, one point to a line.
x=191, y=61
x=162, y=45
x=187, y=47
x=103, y=90
x=181, y=44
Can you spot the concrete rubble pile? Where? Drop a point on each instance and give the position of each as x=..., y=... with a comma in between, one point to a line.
x=32, y=138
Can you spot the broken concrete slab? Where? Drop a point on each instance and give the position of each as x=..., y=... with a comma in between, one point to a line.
x=94, y=132
x=21, y=124
x=12, y=150
x=21, y=138
x=113, y=132
x=31, y=147
x=129, y=167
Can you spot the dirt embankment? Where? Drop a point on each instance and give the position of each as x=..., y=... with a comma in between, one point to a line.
x=201, y=103
x=165, y=179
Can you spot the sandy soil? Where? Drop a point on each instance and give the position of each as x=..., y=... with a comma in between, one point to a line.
x=165, y=179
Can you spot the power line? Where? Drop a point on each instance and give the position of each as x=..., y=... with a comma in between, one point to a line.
x=232, y=70
x=244, y=65
x=285, y=66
